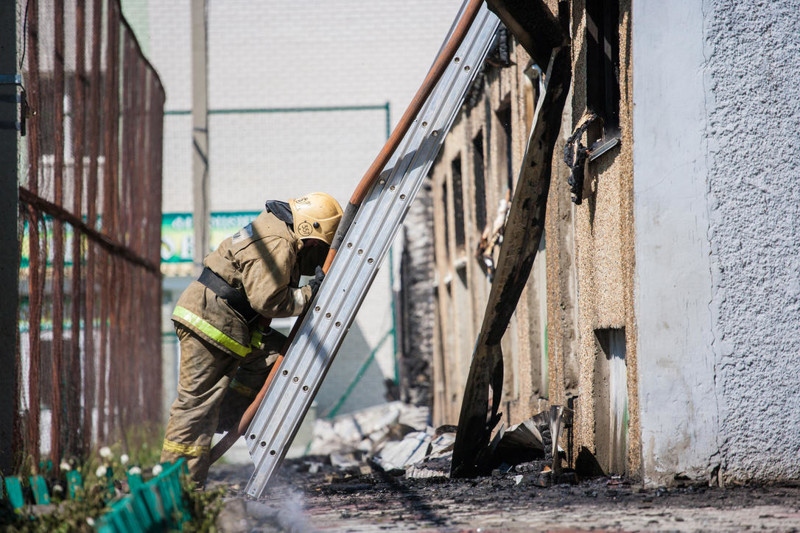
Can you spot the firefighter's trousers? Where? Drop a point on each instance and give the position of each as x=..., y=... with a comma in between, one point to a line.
x=214, y=390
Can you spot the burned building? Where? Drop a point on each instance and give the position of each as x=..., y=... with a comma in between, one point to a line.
x=660, y=303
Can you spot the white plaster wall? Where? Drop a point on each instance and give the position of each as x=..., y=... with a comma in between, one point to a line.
x=673, y=268
x=717, y=217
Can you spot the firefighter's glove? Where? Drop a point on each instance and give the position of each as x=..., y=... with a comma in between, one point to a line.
x=316, y=281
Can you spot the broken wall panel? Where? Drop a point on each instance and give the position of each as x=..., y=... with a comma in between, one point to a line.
x=705, y=296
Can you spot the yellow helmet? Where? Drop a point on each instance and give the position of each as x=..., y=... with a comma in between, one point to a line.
x=316, y=216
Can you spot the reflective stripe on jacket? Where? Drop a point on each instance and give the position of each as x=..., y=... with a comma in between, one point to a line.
x=202, y=326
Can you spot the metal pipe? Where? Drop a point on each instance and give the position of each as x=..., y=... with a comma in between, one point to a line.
x=56, y=439
x=35, y=269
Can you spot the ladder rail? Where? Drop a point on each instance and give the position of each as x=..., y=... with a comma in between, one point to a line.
x=354, y=268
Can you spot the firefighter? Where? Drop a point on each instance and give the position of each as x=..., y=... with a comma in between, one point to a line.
x=222, y=319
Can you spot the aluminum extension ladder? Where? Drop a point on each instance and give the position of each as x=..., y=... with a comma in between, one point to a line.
x=354, y=268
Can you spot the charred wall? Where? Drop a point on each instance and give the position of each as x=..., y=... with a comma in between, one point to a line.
x=472, y=184
x=416, y=302
x=607, y=399
x=663, y=309
x=580, y=285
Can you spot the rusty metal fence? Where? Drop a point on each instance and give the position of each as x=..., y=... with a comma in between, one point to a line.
x=89, y=354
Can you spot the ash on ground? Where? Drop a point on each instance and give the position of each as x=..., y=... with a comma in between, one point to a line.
x=386, y=470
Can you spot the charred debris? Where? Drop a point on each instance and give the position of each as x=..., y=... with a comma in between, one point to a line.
x=395, y=440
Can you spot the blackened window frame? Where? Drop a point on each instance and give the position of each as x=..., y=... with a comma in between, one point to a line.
x=458, y=205
x=480, y=183
x=602, y=68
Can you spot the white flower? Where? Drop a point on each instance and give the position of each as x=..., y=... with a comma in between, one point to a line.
x=157, y=470
x=101, y=471
x=90, y=521
x=65, y=466
x=105, y=452
x=58, y=488
x=135, y=471
x=124, y=459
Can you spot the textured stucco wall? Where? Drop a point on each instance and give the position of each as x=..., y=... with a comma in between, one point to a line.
x=604, y=259
x=752, y=87
x=717, y=284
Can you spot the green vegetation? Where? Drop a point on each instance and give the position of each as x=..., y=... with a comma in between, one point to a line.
x=105, y=477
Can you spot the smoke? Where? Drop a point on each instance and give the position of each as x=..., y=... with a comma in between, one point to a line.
x=286, y=515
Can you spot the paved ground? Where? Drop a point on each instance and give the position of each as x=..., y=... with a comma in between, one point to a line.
x=330, y=500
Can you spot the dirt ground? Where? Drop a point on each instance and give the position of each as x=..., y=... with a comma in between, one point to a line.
x=365, y=499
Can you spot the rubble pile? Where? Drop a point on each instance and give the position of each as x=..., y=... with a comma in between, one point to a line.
x=396, y=438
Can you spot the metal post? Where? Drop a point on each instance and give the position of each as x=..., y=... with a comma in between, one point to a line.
x=201, y=217
x=9, y=259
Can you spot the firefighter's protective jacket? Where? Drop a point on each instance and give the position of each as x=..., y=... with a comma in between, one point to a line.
x=260, y=260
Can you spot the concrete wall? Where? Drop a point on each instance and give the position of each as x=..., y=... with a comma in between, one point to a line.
x=673, y=269
x=717, y=284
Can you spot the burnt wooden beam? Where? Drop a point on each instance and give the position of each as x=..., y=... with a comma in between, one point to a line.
x=534, y=26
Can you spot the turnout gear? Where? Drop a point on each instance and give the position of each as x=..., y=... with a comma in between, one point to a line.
x=213, y=393
x=260, y=261
x=225, y=358
x=280, y=210
x=316, y=216
x=235, y=297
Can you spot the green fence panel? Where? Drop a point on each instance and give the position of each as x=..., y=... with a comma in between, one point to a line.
x=142, y=510
x=74, y=483
x=39, y=488
x=135, y=481
x=14, y=490
x=152, y=499
x=156, y=505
